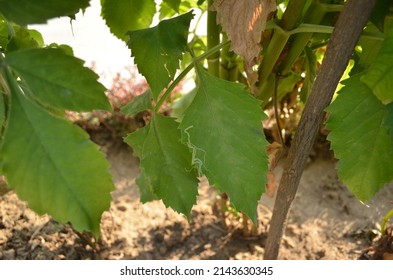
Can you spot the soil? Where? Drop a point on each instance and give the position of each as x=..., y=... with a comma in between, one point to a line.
x=326, y=222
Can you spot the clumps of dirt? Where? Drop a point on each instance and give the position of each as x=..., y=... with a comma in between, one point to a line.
x=326, y=222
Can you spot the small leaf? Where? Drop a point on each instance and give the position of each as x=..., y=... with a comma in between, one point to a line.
x=2, y=112
x=359, y=140
x=311, y=72
x=165, y=163
x=222, y=128
x=158, y=50
x=174, y=4
x=124, y=15
x=24, y=39
x=54, y=166
x=59, y=80
x=138, y=104
x=379, y=76
x=26, y=12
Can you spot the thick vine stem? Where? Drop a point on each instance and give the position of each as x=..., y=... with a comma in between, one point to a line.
x=340, y=48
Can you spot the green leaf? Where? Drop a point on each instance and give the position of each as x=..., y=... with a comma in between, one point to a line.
x=2, y=112
x=26, y=12
x=165, y=163
x=359, y=140
x=174, y=4
x=369, y=50
x=54, y=166
x=59, y=80
x=138, y=104
x=311, y=72
x=222, y=127
x=24, y=39
x=124, y=15
x=180, y=106
x=159, y=49
x=379, y=76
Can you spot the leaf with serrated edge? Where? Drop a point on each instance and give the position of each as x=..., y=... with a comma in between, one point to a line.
x=138, y=104
x=166, y=163
x=379, y=76
x=59, y=80
x=54, y=166
x=26, y=12
x=359, y=140
x=158, y=50
x=222, y=127
x=124, y=15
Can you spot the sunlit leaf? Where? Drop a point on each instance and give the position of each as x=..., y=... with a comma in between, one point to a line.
x=379, y=76
x=58, y=79
x=222, y=128
x=124, y=15
x=26, y=12
x=158, y=50
x=165, y=163
x=54, y=166
x=360, y=140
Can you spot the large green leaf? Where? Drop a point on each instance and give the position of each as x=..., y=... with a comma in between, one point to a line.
x=124, y=15
x=379, y=77
x=159, y=49
x=26, y=12
x=165, y=163
x=58, y=79
x=222, y=128
x=360, y=140
x=54, y=166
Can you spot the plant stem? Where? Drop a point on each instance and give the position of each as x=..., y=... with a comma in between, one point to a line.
x=278, y=42
x=340, y=48
x=185, y=72
x=386, y=219
x=314, y=15
x=213, y=39
x=292, y=14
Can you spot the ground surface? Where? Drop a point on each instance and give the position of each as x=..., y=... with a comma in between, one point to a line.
x=326, y=222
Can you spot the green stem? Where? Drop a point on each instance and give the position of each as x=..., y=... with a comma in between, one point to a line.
x=273, y=52
x=292, y=14
x=314, y=15
x=186, y=71
x=213, y=39
x=385, y=220
x=278, y=42
x=228, y=65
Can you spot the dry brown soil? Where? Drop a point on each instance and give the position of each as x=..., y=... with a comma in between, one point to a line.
x=326, y=222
